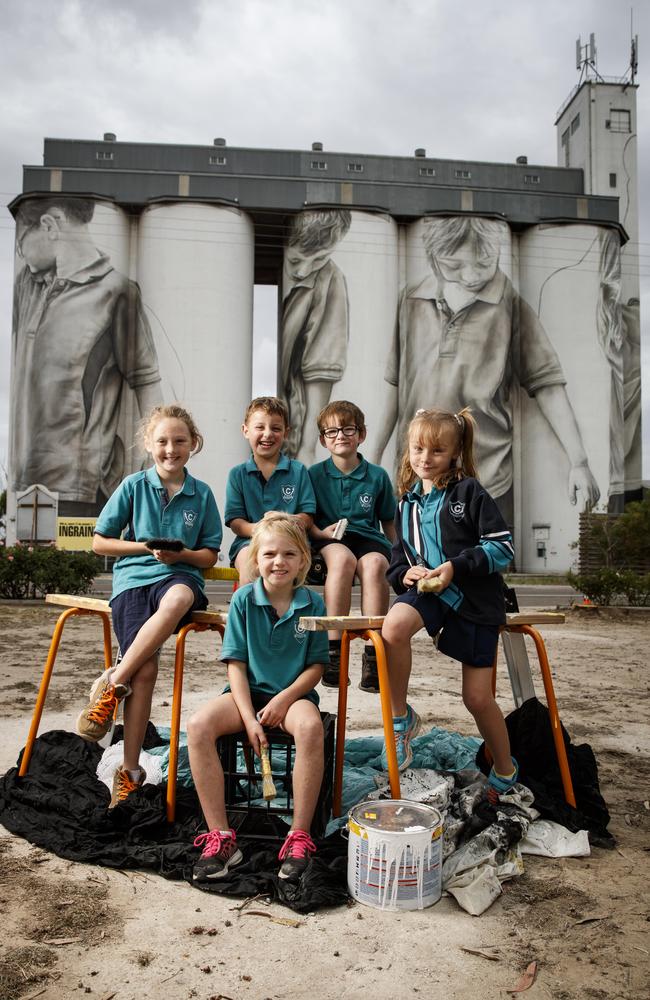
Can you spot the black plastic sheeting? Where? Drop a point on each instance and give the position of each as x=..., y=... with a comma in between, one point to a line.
x=62, y=807
x=531, y=742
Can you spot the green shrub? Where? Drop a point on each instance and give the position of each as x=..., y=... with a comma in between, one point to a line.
x=600, y=587
x=636, y=587
x=28, y=571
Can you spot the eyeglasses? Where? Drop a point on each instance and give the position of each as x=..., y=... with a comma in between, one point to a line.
x=333, y=432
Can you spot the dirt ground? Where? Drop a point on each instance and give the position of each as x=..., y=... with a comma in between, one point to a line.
x=71, y=930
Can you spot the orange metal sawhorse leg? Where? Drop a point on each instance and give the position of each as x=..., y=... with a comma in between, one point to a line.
x=179, y=665
x=47, y=674
x=374, y=636
x=556, y=725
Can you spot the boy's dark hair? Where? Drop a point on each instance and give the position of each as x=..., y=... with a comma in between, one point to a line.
x=78, y=210
x=318, y=230
x=343, y=410
x=271, y=405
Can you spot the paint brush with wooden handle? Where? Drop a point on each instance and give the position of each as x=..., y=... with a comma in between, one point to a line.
x=430, y=585
x=268, y=788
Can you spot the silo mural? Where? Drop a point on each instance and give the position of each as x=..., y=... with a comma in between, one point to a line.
x=464, y=336
x=339, y=298
x=195, y=267
x=369, y=258
x=81, y=343
x=619, y=334
x=538, y=333
x=315, y=322
x=582, y=462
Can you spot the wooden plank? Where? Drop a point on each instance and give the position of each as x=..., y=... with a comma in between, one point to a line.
x=221, y=573
x=535, y=618
x=210, y=617
x=75, y=601
x=96, y=604
x=357, y=623
x=353, y=623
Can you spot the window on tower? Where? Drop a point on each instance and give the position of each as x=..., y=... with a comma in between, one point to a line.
x=619, y=120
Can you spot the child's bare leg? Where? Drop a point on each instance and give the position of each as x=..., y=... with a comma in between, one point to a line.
x=218, y=718
x=401, y=624
x=241, y=565
x=176, y=602
x=304, y=723
x=137, y=712
x=374, y=585
x=341, y=567
x=479, y=700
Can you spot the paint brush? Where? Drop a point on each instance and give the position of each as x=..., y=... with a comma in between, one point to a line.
x=268, y=788
x=430, y=585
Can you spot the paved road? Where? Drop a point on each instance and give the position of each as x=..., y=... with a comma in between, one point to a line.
x=529, y=595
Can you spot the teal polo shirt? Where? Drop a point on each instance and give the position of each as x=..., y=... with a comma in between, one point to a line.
x=365, y=496
x=249, y=495
x=136, y=512
x=275, y=650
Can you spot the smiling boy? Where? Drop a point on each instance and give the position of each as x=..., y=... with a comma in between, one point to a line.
x=267, y=481
x=347, y=486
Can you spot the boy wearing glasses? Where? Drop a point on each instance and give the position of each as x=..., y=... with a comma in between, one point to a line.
x=347, y=486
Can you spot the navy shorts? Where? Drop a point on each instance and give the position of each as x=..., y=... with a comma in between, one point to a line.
x=458, y=637
x=358, y=545
x=132, y=608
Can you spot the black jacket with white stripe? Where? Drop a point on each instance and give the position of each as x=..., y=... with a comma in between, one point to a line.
x=461, y=524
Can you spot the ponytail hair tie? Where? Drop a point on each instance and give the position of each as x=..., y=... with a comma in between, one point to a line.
x=418, y=413
x=460, y=421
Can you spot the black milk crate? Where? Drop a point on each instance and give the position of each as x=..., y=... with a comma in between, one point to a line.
x=247, y=811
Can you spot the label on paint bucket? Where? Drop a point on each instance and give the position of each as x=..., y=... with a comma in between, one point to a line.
x=395, y=854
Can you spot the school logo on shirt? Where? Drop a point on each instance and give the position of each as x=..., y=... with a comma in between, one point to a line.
x=365, y=499
x=457, y=510
x=189, y=517
x=299, y=633
x=288, y=493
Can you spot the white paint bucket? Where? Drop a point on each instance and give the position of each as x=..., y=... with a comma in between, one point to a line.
x=395, y=854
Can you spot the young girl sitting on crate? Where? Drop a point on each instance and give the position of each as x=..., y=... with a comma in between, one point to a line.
x=273, y=668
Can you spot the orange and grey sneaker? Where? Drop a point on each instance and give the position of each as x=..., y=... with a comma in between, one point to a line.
x=294, y=854
x=124, y=784
x=97, y=717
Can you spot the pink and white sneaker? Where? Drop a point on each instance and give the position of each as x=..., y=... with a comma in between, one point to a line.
x=295, y=853
x=219, y=854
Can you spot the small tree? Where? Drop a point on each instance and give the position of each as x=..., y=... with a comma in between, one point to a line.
x=622, y=544
x=631, y=535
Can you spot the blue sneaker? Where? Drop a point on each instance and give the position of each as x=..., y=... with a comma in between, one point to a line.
x=497, y=785
x=406, y=727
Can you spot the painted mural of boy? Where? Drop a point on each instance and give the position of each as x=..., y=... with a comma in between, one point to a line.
x=314, y=329
x=463, y=333
x=79, y=336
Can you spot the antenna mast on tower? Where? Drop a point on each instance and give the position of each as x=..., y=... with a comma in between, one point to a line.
x=586, y=59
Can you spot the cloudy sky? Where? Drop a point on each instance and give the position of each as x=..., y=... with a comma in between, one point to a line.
x=477, y=80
